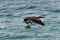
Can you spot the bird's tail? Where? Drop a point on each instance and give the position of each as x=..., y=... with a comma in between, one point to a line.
x=40, y=17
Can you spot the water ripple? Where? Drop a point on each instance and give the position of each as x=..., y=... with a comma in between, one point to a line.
x=31, y=7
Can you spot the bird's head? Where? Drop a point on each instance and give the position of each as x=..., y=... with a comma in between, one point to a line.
x=27, y=20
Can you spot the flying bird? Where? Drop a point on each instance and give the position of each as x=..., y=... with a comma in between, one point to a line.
x=37, y=20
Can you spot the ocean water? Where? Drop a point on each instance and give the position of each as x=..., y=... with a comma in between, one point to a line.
x=13, y=12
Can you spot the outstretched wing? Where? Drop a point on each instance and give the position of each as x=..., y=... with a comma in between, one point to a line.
x=39, y=22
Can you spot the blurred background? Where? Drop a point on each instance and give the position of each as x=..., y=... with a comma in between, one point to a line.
x=13, y=12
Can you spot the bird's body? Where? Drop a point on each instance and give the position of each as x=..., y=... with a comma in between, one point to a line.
x=34, y=19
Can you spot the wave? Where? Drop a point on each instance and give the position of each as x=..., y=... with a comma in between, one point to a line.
x=55, y=10
x=10, y=16
x=31, y=7
x=3, y=9
x=20, y=8
x=15, y=37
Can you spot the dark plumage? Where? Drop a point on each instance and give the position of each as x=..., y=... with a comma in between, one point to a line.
x=34, y=19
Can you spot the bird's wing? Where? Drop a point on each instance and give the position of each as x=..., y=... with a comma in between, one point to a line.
x=39, y=22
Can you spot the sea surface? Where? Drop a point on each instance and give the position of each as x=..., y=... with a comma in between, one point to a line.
x=13, y=12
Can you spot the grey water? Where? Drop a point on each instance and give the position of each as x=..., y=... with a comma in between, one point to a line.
x=13, y=12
